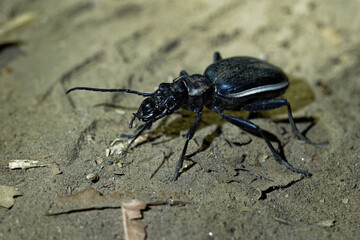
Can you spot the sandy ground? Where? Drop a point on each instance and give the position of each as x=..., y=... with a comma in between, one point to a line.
x=228, y=191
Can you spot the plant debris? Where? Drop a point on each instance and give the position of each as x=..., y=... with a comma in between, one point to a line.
x=131, y=210
x=25, y=164
x=118, y=146
x=17, y=23
x=91, y=199
x=88, y=199
x=7, y=195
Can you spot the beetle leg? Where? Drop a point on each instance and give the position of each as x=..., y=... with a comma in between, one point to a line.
x=189, y=136
x=217, y=57
x=183, y=73
x=277, y=103
x=253, y=128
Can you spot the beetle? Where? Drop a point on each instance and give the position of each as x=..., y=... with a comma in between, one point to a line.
x=236, y=84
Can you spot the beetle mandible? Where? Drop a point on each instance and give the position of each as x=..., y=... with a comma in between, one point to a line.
x=236, y=83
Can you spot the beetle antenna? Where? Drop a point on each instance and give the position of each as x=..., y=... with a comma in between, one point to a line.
x=145, y=94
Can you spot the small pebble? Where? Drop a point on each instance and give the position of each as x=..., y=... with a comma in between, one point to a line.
x=93, y=177
x=327, y=223
x=56, y=170
x=98, y=161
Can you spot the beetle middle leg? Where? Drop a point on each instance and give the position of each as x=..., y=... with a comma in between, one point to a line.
x=189, y=136
x=253, y=128
x=277, y=103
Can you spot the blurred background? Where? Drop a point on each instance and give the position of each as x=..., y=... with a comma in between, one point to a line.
x=231, y=184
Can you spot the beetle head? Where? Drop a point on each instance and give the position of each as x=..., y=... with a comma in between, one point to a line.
x=158, y=105
x=146, y=112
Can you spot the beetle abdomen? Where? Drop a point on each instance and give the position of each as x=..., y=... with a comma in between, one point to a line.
x=243, y=80
x=244, y=76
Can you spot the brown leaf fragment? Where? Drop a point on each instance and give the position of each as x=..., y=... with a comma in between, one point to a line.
x=7, y=195
x=131, y=210
x=88, y=199
x=133, y=207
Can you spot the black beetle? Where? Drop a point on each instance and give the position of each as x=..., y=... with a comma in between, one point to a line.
x=237, y=83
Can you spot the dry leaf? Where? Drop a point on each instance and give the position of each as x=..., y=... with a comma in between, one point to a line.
x=133, y=207
x=87, y=199
x=7, y=195
x=131, y=210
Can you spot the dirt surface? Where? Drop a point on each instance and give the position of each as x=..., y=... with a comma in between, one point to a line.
x=231, y=186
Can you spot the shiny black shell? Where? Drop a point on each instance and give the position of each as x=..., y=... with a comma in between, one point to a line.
x=239, y=81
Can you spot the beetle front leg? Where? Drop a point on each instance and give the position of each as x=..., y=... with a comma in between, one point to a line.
x=253, y=128
x=189, y=136
x=278, y=103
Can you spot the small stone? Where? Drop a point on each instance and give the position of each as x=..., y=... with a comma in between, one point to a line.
x=56, y=170
x=98, y=161
x=327, y=223
x=93, y=177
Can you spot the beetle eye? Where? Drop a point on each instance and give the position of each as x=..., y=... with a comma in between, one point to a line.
x=148, y=108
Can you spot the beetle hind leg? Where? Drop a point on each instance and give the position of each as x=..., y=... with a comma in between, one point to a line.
x=277, y=103
x=253, y=128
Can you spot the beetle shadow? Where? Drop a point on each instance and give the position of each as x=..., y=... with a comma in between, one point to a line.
x=183, y=123
x=299, y=94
